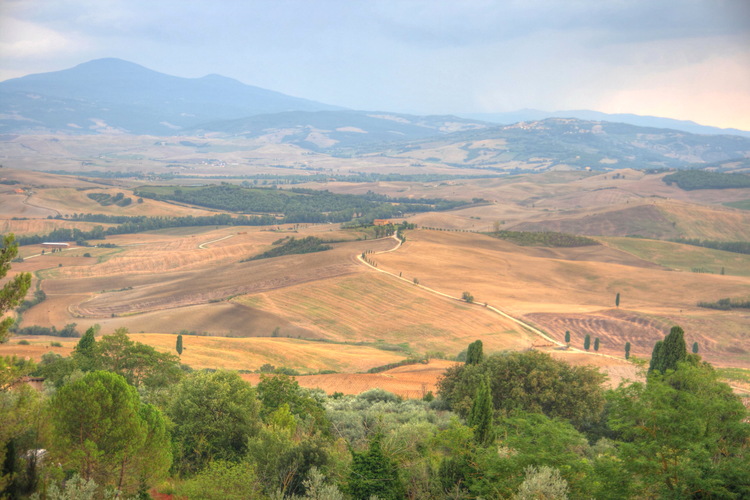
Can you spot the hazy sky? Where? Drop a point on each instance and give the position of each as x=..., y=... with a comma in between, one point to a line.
x=685, y=59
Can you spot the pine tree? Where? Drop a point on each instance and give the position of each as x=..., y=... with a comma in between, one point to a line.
x=475, y=354
x=480, y=417
x=627, y=350
x=596, y=344
x=178, y=346
x=587, y=342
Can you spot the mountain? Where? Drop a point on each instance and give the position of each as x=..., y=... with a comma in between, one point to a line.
x=116, y=95
x=326, y=130
x=583, y=114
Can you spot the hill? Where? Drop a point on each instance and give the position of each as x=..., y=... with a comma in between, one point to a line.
x=116, y=95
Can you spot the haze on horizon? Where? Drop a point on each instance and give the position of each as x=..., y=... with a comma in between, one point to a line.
x=682, y=59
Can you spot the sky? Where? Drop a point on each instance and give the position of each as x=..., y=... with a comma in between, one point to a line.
x=683, y=59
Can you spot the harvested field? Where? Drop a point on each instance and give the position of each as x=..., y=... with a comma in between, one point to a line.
x=410, y=381
x=372, y=307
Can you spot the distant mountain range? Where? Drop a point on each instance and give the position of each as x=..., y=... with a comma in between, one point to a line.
x=116, y=96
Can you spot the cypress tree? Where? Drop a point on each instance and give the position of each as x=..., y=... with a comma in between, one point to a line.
x=617, y=300
x=669, y=352
x=587, y=342
x=627, y=350
x=374, y=474
x=475, y=354
x=178, y=347
x=85, y=350
x=695, y=347
x=596, y=344
x=567, y=336
x=480, y=417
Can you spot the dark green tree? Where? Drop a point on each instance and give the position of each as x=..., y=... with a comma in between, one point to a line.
x=468, y=297
x=627, y=350
x=567, y=336
x=671, y=351
x=587, y=342
x=695, y=347
x=178, y=346
x=596, y=344
x=475, y=353
x=374, y=474
x=617, y=300
x=14, y=290
x=214, y=414
x=480, y=417
x=84, y=352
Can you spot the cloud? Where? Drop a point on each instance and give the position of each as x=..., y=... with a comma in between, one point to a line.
x=22, y=40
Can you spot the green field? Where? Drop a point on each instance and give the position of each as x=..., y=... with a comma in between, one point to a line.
x=683, y=257
x=742, y=205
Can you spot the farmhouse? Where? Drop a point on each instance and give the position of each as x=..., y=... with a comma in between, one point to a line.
x=52, y=244
x=381, y=222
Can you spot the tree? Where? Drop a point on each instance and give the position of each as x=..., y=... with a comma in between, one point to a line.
x=480, y=417
x=587, y=342
x=84, y=352
x=214, y=414
x=374, y=474
x=14, y=290
x=617, y=300
x=531, y=381
x=468, y=297
x=475, y=353
x=596, y=344
x=695, y=347
x=627, y=350
x=542, y=482
x=178, y=346
x=567, y=336
x=669, y=352
x=102, y=432
x=684, y=435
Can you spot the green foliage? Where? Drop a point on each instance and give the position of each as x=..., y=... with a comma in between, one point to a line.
x=587, y=342
x=531, y=381
x=84, y=352
x=726, y=246
x=14, y=290
x=669, y=352
x=102, y=432
x=596, y=344
x=222, y=480
x=689, y=180
x=567, y=336
x=617, y=300
x=726, y=304
x=139, y=363
x=695, y=347
x=178, y=345
x=214, y=414
x=544, y=239
x=374, y=474
x=475, y=353
x=68, y=330
x=542, y=482
x=682, y=432
x=293, y=246
x=480, y=416
x=627, y=350
x=274, y=391
x=468, y=297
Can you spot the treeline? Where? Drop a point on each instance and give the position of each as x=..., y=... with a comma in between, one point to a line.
x=726, y=246
x=105, y=199
x=544, y=239
x=702, y=179
x=726, y=304
x=295, y=205
x=68, y=330
x=510, y=425
x=290, y=246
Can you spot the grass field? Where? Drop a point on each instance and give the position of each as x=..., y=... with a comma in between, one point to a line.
x=684, y=257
